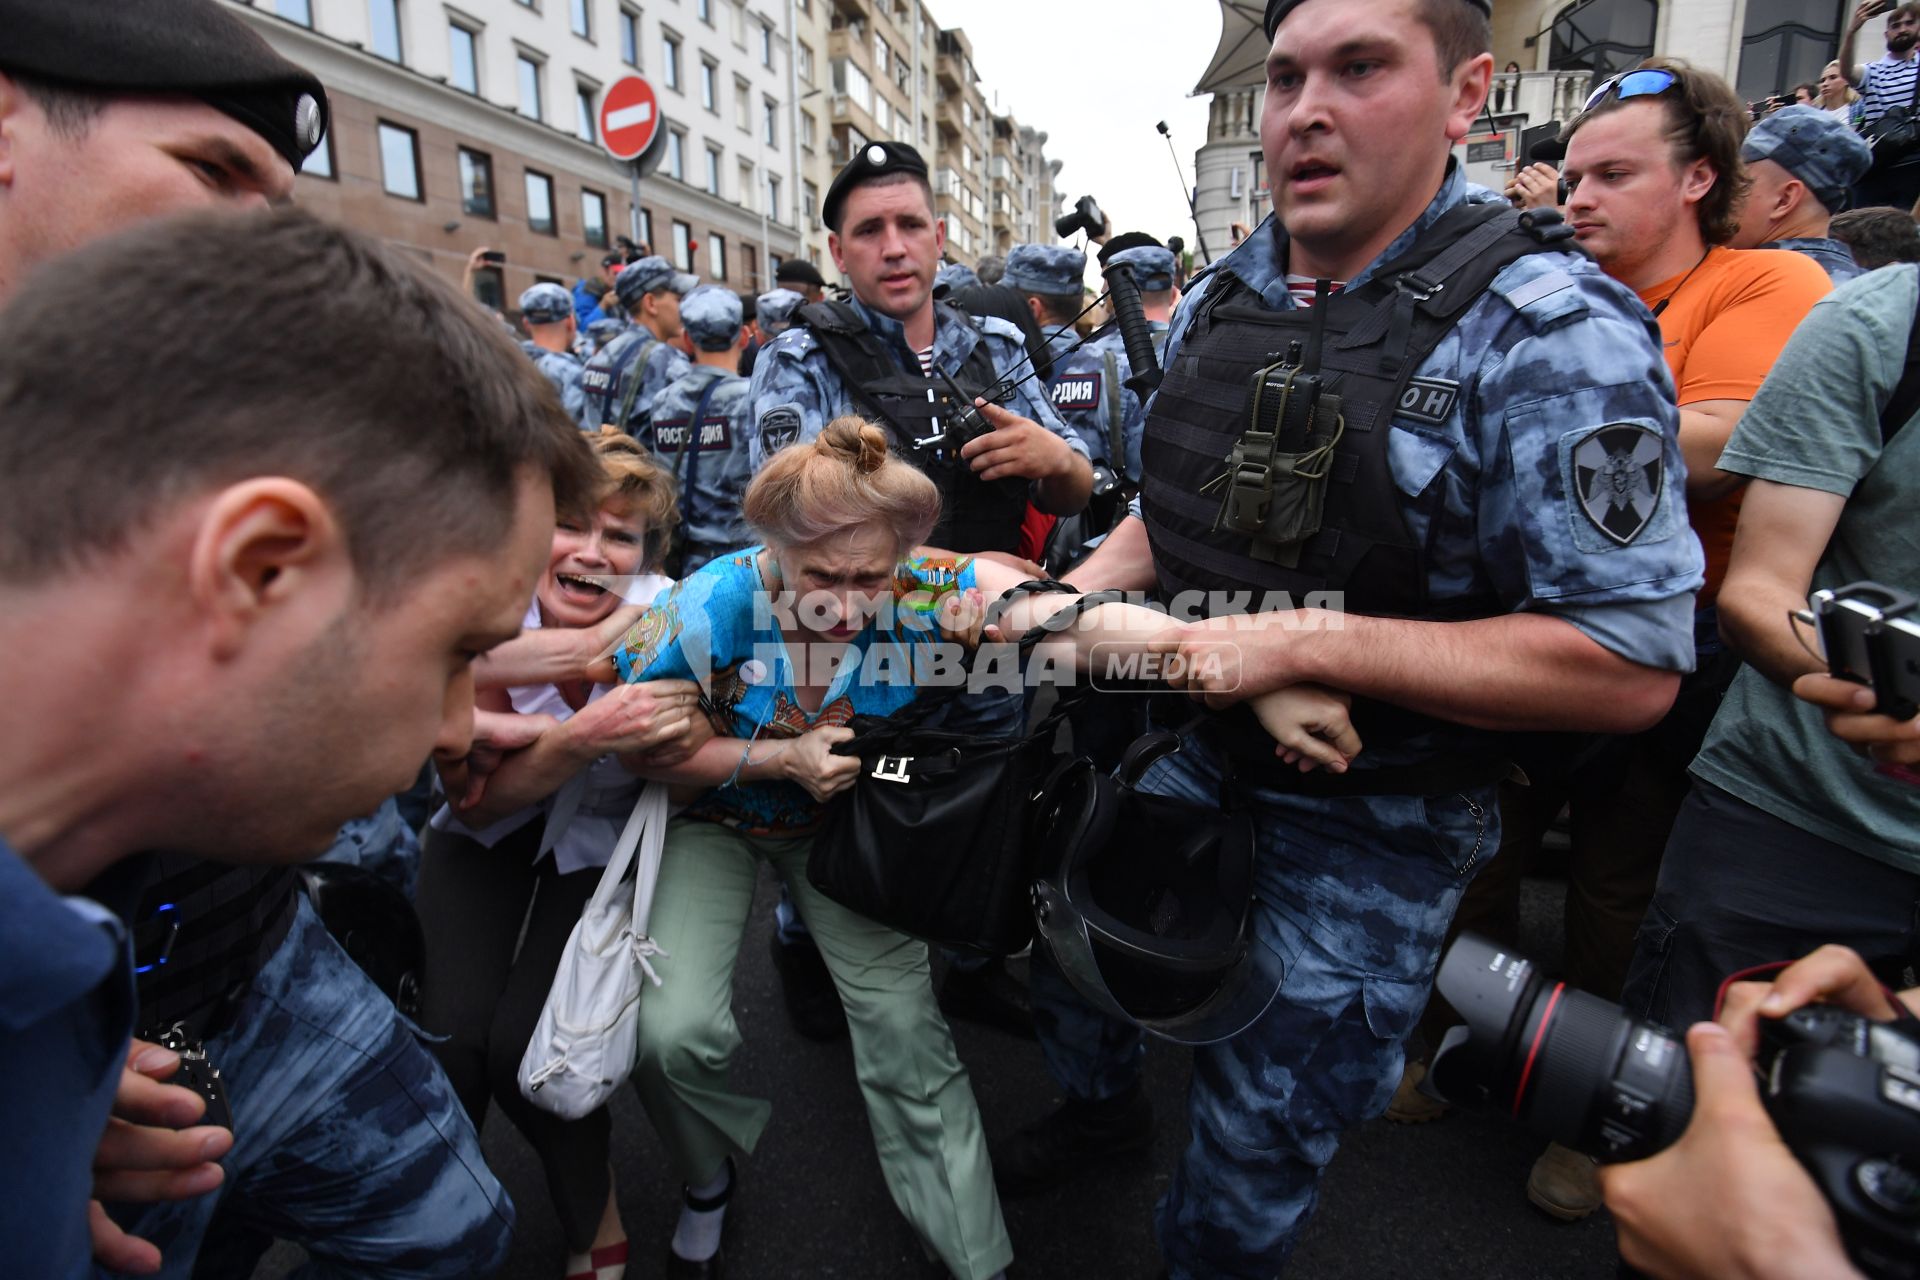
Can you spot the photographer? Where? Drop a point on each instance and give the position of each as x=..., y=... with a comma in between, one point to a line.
x=1787, y=839
x=1729, y=1198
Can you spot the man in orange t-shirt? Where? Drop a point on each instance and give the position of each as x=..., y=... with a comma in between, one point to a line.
x=1656, y=182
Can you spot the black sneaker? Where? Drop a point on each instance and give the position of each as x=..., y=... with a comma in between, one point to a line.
x=1070, y=1141
x=988, y=995
x=813, y=1005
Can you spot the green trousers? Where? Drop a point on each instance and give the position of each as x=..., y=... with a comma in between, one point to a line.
x=926, y=1124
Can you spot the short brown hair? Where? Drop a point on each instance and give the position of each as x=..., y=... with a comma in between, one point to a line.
x=70, y=110
x=1877, y=236
x=638, y=484
x=896, y=178
x=1706, y=120
x=842, y=479
x=1460, y=31
x=267, y=345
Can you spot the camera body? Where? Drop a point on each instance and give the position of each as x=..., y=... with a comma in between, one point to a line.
x=1086, y=216
x=1871, y=636
x=1844, y=1091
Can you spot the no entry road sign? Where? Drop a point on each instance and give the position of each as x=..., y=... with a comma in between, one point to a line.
x=629, y=117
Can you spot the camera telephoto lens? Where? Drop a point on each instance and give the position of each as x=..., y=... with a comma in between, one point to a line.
x=1568, y=1065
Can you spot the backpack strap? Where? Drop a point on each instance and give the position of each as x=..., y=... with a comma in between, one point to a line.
x=1116, y=413
x=682, y=456
x=639, y=366
x=1905, y=400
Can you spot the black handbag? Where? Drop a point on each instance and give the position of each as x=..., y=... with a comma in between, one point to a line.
x=935, y=837
x=1895, y=134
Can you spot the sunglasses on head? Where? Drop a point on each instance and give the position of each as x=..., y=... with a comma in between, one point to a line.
x=1633, y=84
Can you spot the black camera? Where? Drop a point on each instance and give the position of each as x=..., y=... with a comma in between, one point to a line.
x=1844, y=1091
x=1871, y=636
x=1086, y=216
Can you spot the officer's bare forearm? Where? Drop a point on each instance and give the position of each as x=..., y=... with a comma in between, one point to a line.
x=1124, y=562
x=1066, y=492
x=1519, y=672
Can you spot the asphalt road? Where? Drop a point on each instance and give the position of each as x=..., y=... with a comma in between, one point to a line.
x=1436, y=1200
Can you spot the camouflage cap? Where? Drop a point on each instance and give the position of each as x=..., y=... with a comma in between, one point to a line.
x=951, y=276
x=649, y=275
x=711, y=316
x=1152, y=266
x=545, y=303
x=773, y=310
x=1056, y=269
x=1815, y=148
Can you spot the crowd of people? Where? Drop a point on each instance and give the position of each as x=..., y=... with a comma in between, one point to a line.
x=1447, y=514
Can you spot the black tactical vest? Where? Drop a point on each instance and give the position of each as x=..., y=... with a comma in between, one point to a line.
x=1375, y=338
x=975, y=515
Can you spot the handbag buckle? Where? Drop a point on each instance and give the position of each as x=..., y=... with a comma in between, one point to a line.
x=892, y=768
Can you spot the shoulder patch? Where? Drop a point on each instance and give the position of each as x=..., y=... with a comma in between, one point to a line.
x=1429, y=400
x=779, y=427
x=1531, y=291
x=1617, y=476
x=1077, y=389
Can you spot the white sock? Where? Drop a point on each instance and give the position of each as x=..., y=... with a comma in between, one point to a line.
x=697, y=1236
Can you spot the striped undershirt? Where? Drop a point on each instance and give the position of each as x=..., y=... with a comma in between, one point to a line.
x=1301, y=287
x=1889, y=82
x=926, y=360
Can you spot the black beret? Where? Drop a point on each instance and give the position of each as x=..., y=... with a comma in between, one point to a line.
x=1128, y=240
x=799, y=269
x=875, y=160
x=1277, y=10
x=195, y=47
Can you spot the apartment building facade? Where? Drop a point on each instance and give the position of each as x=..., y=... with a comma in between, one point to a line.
x=457, y=125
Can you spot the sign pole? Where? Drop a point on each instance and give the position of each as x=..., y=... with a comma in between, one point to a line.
x=633, y=214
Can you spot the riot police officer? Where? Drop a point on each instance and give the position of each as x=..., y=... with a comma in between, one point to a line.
x=697, y=426
x=914, y=366
x=1380, y=393
x=547, y=312
x=624, y=377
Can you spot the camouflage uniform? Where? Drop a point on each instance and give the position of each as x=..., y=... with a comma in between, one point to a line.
x=796, y=392
x=1153, y=269
x=709, y=458
x=550, y=304
x=348, y=1139
x=606, y=376
x=1354, y=893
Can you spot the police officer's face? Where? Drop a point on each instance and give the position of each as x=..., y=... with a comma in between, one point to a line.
x=142, y=157
x=889, y=247
x=1629, y=197
x=1357, y=124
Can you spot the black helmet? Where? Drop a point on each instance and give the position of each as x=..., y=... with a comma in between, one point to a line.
x=1148, y=908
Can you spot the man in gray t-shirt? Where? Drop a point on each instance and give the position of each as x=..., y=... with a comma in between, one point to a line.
x=1790, y=839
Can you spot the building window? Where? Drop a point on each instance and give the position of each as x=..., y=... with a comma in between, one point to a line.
x=773, y=197
x=630, y=37
x=464, y=57
x=713, y=171
x=529, y=75
x=717, y=256
x=808, y=138
x=743, y=105
x=803, y=62
x=770, y=122
x=750, y=259
x=676, y=165
x=682, y=245
x=710, y=86
x=810, y=197
x=850, y=80
x=879, y=54
x=766, y=45
x=582, y=18
x=646, y=228
x=705, y=9
x=1784, y=43
x=585, y=114
x=540, y=203
x=670, y=61
x=319, y=162
x=593, y=218
x=1604, y=37
x=400, y=161
x=299, y=11
x=747, y=186
x=383, y=17
x=476, y=183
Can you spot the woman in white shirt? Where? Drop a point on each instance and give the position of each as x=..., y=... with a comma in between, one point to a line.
x=510, y=862
x=1837, y=97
